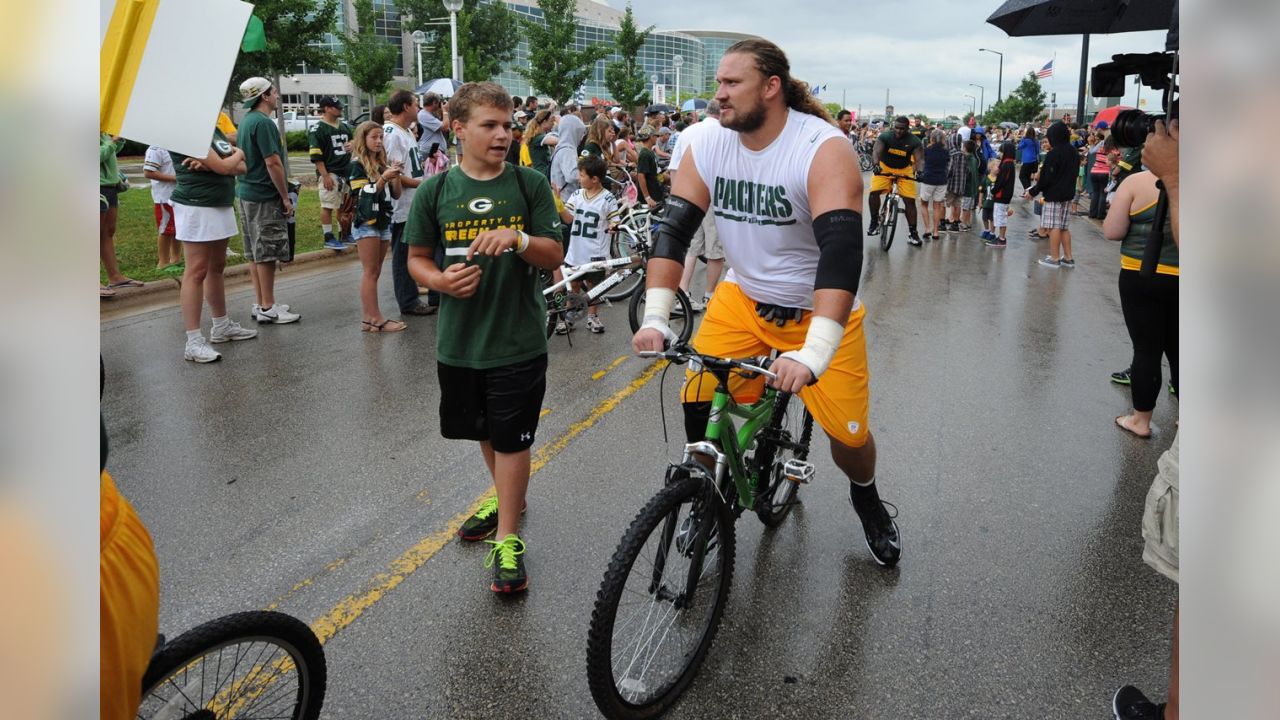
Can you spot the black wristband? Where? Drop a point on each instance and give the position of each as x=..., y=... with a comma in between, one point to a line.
x=676, y=229
x=839, y=236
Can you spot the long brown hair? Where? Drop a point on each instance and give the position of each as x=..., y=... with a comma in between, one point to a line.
x=770, y=61
x=373, y=163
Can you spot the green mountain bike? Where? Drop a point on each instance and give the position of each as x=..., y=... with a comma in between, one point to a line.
x=663, y=595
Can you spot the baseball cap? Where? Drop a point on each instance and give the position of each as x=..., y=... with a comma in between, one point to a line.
x=979, y=131
x=252, y=89
x=1102, y=125
x=644, y=133
x=521, y=116
x=664, y=130
x=330, y=101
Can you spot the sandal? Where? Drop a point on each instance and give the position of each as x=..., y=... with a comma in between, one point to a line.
x=386, y=326
x=127, y=282
x=105, y=292
x=1120, y=424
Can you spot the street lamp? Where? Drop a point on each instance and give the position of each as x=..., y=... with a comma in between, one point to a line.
x=453, y=6
x=419, y=38
x=1000, y=78
x=676, y=62
x=653, y=80
x=972, y=100
x=982, y=103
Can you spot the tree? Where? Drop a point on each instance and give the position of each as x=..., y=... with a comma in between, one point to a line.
x=556, y=69
x=832, y=108
x=487, y=39
x=1022, y=105
x=371, y=62
x=625, y=78
x=294, y=29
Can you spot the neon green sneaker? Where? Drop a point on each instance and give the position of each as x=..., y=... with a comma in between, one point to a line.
x=508, y=572
x=484, y=522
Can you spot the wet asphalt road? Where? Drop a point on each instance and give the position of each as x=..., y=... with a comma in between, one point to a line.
x=304, y=472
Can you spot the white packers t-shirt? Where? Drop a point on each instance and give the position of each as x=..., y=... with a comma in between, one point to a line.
x=158, y=160
x=760, y=200
x=591, y=220
x=401, y=145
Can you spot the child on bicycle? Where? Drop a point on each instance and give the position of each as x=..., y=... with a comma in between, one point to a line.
x=592, y=212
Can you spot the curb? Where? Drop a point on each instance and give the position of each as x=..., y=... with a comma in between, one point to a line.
x=153, y=290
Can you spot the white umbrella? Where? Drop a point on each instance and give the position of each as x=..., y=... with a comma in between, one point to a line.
x=444, y=87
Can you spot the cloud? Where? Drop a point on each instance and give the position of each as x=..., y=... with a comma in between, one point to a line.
x=926, y=53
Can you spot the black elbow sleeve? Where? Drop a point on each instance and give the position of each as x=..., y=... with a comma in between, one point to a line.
x=839, y=236
x=677, y=228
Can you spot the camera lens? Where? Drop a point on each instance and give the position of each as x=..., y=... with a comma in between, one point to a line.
x=1132, y=127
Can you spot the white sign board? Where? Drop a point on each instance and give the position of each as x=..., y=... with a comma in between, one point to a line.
x=659, y=94
x=172, y=69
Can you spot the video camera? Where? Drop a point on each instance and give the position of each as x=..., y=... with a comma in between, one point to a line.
x=1158, y=71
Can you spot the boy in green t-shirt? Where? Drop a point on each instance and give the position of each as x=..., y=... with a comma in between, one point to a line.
x=498, y=225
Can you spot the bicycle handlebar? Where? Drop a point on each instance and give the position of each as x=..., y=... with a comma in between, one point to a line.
x=682, y=354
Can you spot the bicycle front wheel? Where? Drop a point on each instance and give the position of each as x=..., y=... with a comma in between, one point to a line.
x=790, y=432
x=681, y=321
x=888, y=222
x=661, y=601
x=248, y=665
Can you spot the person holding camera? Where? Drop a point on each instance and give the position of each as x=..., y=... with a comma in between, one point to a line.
x=1160, y=516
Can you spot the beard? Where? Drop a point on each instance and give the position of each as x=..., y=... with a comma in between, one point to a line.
x=746, y=121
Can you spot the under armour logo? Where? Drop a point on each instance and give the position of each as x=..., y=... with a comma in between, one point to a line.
x=526, y=436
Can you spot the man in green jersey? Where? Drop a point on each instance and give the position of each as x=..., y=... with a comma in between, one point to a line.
x=330, y=144
x=263, y=197
x=498, y=226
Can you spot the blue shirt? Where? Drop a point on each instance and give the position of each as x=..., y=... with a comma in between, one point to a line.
x=936, y=158
x=1029, y=151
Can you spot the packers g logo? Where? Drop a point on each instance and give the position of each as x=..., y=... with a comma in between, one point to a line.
x=222, y=146
x=480, y=205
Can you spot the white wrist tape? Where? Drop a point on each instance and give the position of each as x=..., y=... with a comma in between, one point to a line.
x=658, y=303
x=522, y=243
x=820, y=345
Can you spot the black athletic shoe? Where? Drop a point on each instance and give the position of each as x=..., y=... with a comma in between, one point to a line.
x=881, y=532
x=507, y=560
x=1130, y=704
x=873, y=230
x=1122, y=377
x=913, y=238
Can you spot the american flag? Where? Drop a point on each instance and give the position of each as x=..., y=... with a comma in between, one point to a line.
x=1046, y=71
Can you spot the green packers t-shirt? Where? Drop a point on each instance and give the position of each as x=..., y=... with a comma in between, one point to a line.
x=204, y=188
x=258, y=137
x=327, y=144
x=541, y=155
x=505, y=321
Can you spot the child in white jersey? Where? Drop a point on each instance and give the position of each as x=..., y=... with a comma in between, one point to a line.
x=592, y=212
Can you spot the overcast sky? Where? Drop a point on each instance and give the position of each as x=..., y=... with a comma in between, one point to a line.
x=924, y=51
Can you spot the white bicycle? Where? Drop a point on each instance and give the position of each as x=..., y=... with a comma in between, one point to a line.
x=565, y=305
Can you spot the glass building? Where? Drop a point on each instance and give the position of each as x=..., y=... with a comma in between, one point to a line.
x=598, y=23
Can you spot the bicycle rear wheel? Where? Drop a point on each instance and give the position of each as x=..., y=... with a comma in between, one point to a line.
x=788, y=439
x=681, y=321
x=648, y=636
x=248, y=665
x=888, y=221
x=621, y=246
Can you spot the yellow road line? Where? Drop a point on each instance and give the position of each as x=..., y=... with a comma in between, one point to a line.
x=307, y=583
x=612, y=365
x=545, y=412
x=350, y=608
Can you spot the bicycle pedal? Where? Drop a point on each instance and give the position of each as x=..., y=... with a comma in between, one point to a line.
x=798, y=471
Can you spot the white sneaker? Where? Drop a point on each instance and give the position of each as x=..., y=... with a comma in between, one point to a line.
x=697, y=306
x=231, y=331
x=198, y=350
x=258, y=308
x=594, y=324
x=276, y=315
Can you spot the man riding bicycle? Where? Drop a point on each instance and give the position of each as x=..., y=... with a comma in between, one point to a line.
x=786, y=193
x=896, y=158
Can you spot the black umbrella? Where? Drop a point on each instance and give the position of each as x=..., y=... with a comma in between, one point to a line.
x=661, y=107
x=1021, y=18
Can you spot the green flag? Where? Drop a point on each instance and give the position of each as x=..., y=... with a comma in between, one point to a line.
x=255, y=36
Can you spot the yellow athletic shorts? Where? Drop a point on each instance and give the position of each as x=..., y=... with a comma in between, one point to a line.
x=883, y=181
x=129, y=604
x=731, y=328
